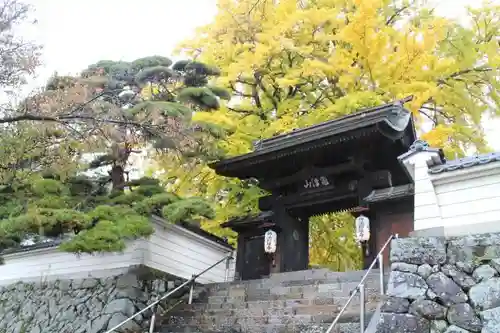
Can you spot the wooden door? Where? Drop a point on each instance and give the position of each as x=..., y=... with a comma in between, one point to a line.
x=392, y=224
x=256, y=262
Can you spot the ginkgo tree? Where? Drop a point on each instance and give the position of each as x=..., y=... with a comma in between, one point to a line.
x=291, y=64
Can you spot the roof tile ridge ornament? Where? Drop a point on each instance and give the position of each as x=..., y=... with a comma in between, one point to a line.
x=420, y=145
x=407, y=99
x=403, y=101
x=434, y=160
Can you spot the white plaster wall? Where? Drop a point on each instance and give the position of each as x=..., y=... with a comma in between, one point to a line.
x=427, y=211
x=171, y=249
x=183, y=253
x=52, y=264
x=458, y=198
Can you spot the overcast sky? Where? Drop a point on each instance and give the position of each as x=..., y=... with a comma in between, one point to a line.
x=78, y=33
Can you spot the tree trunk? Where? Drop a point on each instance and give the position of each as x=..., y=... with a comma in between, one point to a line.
x=117, y=177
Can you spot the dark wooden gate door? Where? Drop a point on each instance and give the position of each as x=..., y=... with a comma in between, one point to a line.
x=257, y=263
x=391, y=224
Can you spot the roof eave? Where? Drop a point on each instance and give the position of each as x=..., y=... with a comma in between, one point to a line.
x=390, y=115
x=249, y=219
x=392, y=193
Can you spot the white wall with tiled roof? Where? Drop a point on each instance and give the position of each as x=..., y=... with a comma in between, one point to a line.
x=469, y=195
x=454, y=193
x=171, y=249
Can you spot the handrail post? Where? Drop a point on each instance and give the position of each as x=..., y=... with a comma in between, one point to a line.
x=228, y=263
x=361, y=287
x=154, y=304
x=362, y=307
x=191, y=291
x=153, y=317
x=381, y=272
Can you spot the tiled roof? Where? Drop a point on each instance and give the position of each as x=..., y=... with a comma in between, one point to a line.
x=389, y=120
x=249, y=219
x=390, y=193
x=37, y=246
x=50, y=243
x=394, y=114
x=465, y=162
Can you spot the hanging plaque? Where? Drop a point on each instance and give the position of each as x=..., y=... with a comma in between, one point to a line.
x=316, y=182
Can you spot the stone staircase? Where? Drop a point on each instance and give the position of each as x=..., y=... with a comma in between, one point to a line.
x=305, y=301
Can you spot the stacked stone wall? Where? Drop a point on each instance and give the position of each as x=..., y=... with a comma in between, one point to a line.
x=79, y=306
x=443, y=285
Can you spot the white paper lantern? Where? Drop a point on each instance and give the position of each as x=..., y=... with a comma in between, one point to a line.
x=362, y=228
x=270, y=241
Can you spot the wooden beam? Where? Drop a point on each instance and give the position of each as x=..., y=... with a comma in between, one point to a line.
x=355, y=165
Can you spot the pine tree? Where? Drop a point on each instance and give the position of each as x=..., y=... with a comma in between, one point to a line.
x=155, y=99
x=85, y=216
x=113, y=109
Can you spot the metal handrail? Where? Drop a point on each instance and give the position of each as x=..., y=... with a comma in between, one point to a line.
x=361, y=288
x=191, y=281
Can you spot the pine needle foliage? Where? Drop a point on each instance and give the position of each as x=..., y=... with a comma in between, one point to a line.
x=87, y=217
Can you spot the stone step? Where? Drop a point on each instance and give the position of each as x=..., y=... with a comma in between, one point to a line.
x=286, y=288
x=344, y=328
x=268, y=308
x=317, y=295
x=306, y=289
x=237, y=326
x=263, y=315
x=269, y=328
x=291, y=279
x=319, y=274
x=272, y=305
x=304, y=302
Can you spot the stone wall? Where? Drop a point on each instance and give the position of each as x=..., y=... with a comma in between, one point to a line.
x=80, y=306
x=443, y=285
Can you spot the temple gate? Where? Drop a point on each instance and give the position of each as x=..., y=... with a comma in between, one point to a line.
x=347, y=164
